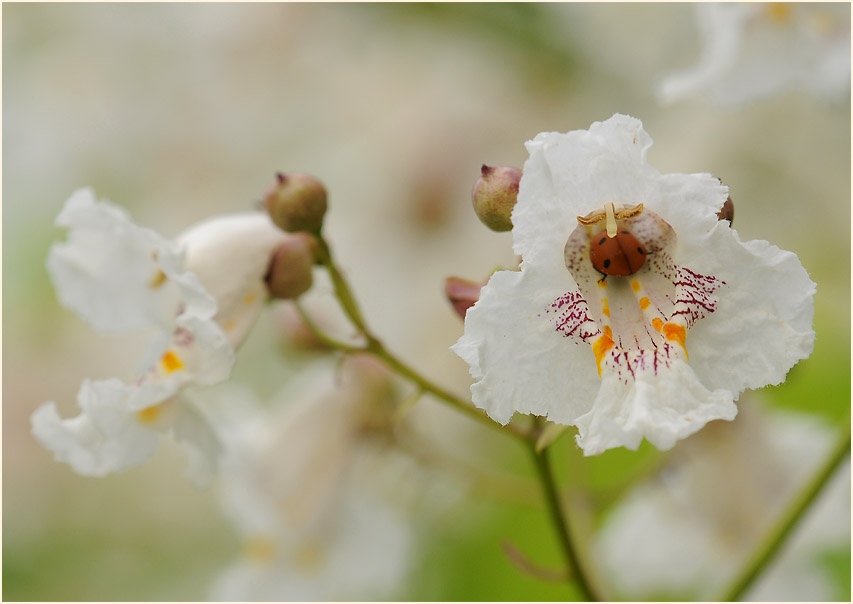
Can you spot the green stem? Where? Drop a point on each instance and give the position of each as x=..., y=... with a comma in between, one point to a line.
x=378, y=349
x=773, y=541
x=342, y=289
x=321, y=336
x=375, y=347
x=552, y=500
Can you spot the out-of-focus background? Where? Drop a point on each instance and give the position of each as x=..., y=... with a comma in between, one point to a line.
x=182, y=111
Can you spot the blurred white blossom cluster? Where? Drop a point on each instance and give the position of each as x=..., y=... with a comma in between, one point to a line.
x=754, y=50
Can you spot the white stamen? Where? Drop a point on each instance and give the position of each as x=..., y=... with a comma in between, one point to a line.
x=610, y=217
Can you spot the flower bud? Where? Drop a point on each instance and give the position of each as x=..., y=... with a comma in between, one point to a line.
x=462, y=294
x=494, y=196
x=290, y=271
x=297, y=202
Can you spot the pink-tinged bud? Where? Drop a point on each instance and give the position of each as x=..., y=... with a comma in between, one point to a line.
x=297, y=202
x=290, y=272
x=462, y=294
x=494, y=196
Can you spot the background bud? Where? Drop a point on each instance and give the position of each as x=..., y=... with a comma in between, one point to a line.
x=463, y=294
x=494, y=196
x=297, y=202
x=290, y=272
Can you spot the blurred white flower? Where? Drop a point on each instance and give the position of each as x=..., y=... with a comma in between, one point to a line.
x=753, y=50
x=199, y=295
x=688, y=530
x=593, y=330
x=302, y=483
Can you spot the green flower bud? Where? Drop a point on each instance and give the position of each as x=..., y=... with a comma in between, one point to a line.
x=290, y=271
x=297, y=202
x=494, y=196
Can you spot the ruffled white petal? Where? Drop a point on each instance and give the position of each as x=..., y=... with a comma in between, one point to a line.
x=569, y=175
x=110, y=271
x=111, y=435
x=519, y=359
x=662, y=407
x=763, y=323
x=106, y=437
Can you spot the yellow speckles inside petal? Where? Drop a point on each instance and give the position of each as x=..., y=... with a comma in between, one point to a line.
x=605, y=307
x=657, y=323
x=600, y=348
x=229, y=325
x=675, y=333
x=157, y=280
x=635, y=285
x=259, y=549
x=249, y=298
x=608, y=331
x=171, y=362
x=149, y=415
x=644, y=303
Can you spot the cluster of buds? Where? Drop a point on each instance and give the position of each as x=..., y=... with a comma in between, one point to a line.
x=297, y=205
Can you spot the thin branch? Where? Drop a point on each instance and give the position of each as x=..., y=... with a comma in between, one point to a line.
x=770, y=546
x=552, y=499
x=347, y=300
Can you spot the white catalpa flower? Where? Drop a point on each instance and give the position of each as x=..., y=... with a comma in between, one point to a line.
x=753, y=50
x=303, y=485
x=636, y=312
x=707, y=509
x=199, y=296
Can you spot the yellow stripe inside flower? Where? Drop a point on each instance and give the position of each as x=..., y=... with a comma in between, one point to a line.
x=171, y=362
x=675, y=333
x=157, y=280
x=600, y=348
x=605, y=310
x=149, y=415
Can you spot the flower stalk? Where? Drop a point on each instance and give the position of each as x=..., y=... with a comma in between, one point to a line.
x=576, y=573
x=770, y=546
x=374, y=346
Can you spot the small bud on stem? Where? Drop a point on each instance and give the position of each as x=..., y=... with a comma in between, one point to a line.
x=494, y=196
x=297, y=202
x=289, y=274
x=462, y=294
